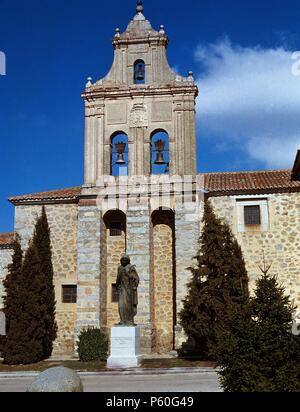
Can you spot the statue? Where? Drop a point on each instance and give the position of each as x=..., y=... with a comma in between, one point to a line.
x=127, y=285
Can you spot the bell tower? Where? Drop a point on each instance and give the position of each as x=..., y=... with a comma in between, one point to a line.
x=142, y=114
x=139, y=122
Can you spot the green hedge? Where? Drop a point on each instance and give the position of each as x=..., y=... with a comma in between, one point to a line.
x=92, y=345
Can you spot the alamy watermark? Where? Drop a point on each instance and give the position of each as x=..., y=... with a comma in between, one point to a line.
x=296, y=65
x=165, y=192
x=2, y=63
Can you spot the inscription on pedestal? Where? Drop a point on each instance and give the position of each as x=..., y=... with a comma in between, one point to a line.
x=125, y=348
x=124, y=342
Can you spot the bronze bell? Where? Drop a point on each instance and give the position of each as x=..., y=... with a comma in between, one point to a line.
x=160, y=146
x=120, y=160
x=120, y=148
x=140, y=73
x=160, y=159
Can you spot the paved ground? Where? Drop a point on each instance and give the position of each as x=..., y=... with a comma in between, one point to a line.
x=185, y=382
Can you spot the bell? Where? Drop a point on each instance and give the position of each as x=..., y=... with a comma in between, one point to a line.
x=120, y=160
x=160, y=147
x=140, y=73
x=160, y=159
x=120, y=148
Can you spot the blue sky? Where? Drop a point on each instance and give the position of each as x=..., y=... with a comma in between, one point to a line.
x=248, y=109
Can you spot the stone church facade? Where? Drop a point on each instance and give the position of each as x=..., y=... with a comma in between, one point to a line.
x=142, y=196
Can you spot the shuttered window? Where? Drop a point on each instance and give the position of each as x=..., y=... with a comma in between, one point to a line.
x=252, y=215
x=69, y=294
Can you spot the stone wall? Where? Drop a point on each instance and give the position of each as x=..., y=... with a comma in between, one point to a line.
x=163, y=282
x=187, y=227
x=113, y=247
x=5, y=260
x=89, y=263
x=96, y=254
x=280, y=243
x=138, y=248
x=63, y=225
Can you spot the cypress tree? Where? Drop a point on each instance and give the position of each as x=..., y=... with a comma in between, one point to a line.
x=32, y=327
x=24, y=340
x=12, y=300
x=42, y=241
x=219, y=282
x=258, y=352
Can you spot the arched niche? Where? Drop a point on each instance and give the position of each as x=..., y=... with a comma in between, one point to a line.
x=163, y=280
x=119, y=154
x=139, y=70
x=113, y=247
x=160, y=152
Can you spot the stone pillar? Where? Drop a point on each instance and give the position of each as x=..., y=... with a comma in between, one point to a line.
x=184, y=149
x=179, y=138
x=187, y=230
x=138, y=248
x=87, y=146
x=89, y=255
x=100, y=121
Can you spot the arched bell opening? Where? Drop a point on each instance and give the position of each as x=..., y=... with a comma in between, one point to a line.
x=139, y=72
x=113, y=247
x=160, y=159
x=163, y=281
x=119, y=154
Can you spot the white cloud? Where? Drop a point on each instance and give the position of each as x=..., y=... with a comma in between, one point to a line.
x=249, y=96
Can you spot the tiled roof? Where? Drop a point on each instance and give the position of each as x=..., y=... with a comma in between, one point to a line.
x=62, y=194
x=6, y=239
x=251, y=182
x=216, y=184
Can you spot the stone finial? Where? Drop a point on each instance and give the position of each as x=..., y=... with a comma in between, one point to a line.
x=118, y=31
x=191, y=76
x=89, y=82
x=140, y=7
x=162, y=30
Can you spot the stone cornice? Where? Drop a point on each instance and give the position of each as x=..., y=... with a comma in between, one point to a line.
x=101, y=92
x=43, y=201
x=151, y=40
x=252, y=192
x=6, y=247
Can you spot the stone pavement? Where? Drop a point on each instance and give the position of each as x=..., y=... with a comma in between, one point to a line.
x=204, y=380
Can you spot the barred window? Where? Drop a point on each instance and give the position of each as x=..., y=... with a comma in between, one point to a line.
x=252, y=215
x=115, y=229
x=114, y=294
x=69, y=294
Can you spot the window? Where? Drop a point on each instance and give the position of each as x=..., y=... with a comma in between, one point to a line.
x=115, y=229
x=139, y=72
x=114, y=294
x=119, y=154
x=160, y=160
x=69, y=294
x=252, y=215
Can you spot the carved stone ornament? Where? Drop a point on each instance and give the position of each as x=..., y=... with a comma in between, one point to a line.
x=139, y=116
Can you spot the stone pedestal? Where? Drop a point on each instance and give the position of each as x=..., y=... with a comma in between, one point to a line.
x=125, y=348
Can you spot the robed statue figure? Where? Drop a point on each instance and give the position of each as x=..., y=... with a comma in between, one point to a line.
x=127, y=284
